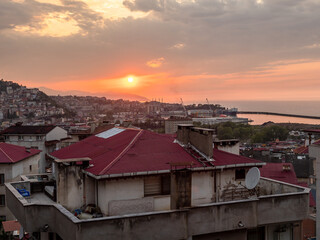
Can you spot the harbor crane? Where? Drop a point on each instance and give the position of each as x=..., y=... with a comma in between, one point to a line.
x=184, y=108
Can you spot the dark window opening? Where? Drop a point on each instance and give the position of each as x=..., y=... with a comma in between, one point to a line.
x=157, y=185
x=1, y=179
x=240, y=174
x=2, y=200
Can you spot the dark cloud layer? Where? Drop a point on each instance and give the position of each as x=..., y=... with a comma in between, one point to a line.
x=218, y=37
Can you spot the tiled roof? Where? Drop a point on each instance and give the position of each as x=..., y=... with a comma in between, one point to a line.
x=317, y=142
x=133, y=150
x=301, y=150
x=10, y=226
x=10, y=153
x=279, y=171
x=28, y=129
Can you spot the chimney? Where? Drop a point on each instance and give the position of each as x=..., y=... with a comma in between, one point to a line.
x=200, y=138
x=183, y=133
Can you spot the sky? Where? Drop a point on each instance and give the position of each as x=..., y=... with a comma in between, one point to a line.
x=171, y=49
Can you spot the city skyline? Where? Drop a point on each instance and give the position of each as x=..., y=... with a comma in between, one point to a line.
x=221, y=50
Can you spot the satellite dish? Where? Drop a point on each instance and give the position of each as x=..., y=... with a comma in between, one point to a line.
x=252, y=178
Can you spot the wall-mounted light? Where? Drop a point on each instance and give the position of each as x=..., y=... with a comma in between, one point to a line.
x=240, y=224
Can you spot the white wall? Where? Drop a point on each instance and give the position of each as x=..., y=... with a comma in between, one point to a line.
x=121, y=189
x=56, y=134
x=23, y=167
x=12, y=172
x=161, y=202
x=202, y=188
x=235, y=149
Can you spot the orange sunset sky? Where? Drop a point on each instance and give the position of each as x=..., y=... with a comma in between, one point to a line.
x=193, y=49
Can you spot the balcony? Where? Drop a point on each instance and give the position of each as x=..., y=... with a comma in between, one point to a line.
x=276, y=203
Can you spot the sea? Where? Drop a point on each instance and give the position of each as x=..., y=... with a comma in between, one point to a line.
x=309, y=108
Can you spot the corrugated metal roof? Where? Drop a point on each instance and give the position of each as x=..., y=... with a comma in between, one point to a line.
x=10, y=153
x=132, y=151
x=28, y=129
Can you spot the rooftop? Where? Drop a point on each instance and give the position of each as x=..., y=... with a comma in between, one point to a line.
x=120, y=150
x=17, y=129
x=10, y=153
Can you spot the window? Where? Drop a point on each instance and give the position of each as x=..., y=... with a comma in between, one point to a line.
x=30, y=168
x=20, y=138
x=158, y=185
x=39, y=137
x=240, y=174
x=1, y=178
x=2, y=200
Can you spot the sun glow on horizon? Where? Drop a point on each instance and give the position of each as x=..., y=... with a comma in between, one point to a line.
x=130, y=79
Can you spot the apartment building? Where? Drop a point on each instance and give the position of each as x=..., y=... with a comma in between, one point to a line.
x=14, y=161
x=42, y=137
x=136, y=184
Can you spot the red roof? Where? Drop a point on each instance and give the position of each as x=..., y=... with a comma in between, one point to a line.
x=135, y=150
x=10, y=226
x=301, y=150
x=312, y=131
x=10, y=153
x=28, y=129
x=276, y=171
x=225, y=158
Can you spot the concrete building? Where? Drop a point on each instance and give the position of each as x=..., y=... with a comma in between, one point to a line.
x=136, y=184
x=171, y=124
x=35, y=137
x=216, y=120
x=14, y=161
x=314, y=152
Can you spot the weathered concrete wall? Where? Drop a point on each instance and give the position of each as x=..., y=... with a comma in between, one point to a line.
x=56, y=134
x=202, y=140
x=180, y=189
x=161, y=202
x=205, y=219
x=90, y=190
x=70, y=193
x=202, y=188
x=23, y=167
x=122, y=189
x=270, y=187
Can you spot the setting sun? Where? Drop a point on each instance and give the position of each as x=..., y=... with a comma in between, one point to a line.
x=130, y=79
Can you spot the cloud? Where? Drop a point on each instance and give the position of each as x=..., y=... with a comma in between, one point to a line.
x=197, y=38
x=155, y=63
x=144, y=5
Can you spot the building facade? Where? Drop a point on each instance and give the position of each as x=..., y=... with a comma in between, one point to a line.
x=35, y=137
x=14, y=161
x=135, y=184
